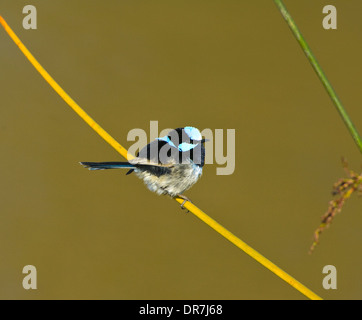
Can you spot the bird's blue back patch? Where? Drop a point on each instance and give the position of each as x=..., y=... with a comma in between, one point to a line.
x=168, y=140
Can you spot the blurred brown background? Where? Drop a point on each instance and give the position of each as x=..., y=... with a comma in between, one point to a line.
x=210, y=64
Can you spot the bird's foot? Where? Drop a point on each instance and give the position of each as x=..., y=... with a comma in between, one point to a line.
x=183, y=203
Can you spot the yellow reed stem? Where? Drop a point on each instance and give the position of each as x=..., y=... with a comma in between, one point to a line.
x=94, y=125
x=249, y=250
x=189, y=206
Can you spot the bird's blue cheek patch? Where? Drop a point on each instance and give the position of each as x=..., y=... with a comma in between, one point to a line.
x=183, y=147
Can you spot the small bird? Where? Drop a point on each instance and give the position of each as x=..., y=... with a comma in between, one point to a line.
x=168, y=165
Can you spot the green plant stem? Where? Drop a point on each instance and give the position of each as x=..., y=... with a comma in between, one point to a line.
x=308, y=52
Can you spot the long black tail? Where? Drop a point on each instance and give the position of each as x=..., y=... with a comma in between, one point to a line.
x=106, y=165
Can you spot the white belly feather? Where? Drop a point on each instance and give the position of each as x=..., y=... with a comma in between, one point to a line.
x=182, y=177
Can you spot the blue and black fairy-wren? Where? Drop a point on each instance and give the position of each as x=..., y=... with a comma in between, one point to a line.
x=168, y=165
